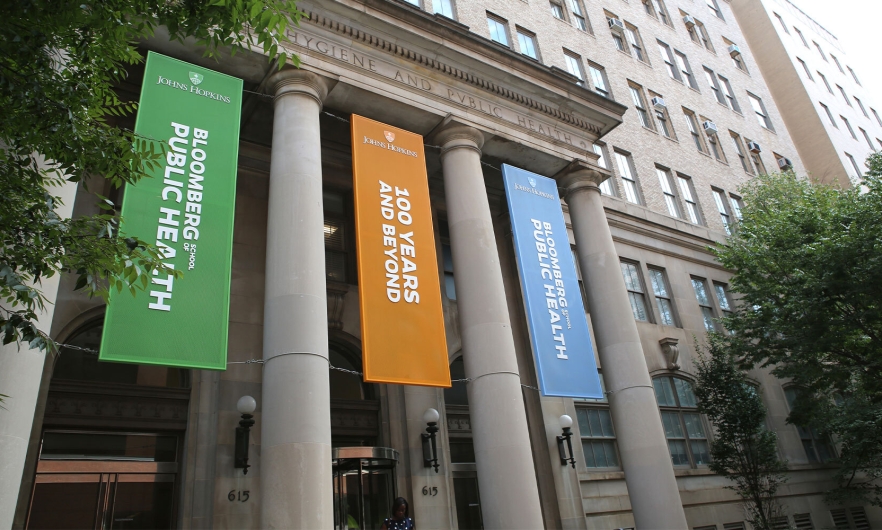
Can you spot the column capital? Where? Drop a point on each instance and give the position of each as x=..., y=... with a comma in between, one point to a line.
x=455, y=135
x=287, y=82
x=581, y=175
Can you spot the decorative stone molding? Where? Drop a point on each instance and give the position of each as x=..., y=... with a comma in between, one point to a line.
x=582, y=174
x=456, y=136
x=355, y=418
x=289, y=82
x=393, y=48
x=671, y=351
x=336, y=298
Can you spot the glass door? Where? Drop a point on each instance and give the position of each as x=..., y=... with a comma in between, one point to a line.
x=364, y=486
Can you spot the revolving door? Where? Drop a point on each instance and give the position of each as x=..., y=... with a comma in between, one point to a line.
x=364, y=486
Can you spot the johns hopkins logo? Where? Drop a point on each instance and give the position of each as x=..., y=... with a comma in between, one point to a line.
x=196, y=78
x=532, y=182
x=390, y=136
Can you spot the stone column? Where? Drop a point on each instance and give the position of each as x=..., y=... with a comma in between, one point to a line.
x=506, y=477
x=295, y=467
x=649, y=474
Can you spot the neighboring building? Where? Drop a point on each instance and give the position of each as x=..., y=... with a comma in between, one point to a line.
x=641, y=99
x=834, y=122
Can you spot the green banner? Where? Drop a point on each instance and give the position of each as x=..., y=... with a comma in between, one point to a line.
x=187, y=209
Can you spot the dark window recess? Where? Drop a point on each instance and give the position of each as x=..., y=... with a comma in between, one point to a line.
x=100, y=446
x=335, y=238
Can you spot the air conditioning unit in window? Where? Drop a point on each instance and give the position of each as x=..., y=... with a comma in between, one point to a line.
x=734, y=50
x=753, y=147
x=710, y=128
x=785, y=164
x=659, y=104
x=689, y=21
x=616, y=25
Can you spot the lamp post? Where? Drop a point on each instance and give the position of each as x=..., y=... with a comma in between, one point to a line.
x=565, y=423
x=430, y=449
x=245, y=406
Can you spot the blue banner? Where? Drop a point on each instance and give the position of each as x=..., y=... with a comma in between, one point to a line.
x=556, y=316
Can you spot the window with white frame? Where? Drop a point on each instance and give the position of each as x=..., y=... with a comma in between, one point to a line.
x=527, y=43
x=715, y=8
x=662, y=11
x=607, y=186
x=629, y=176
x=730, y=95
x=737, y=205
x=687, y=192
x=498, y=30
x=714, y=143
x=574, y=65
x=699, y=285
x=668, y=58
x=715, y=87
x=667, y=186
x=684, y=427
x=685, y=69
x=723, y=297
x=762, y=116
x=633, y=36
x=661, y=114
x=692, y=124
x=663, y=299
x=723, y=209
x=739, y=148
x=557, y=10
x=598, y=79
x=640, y=105
x=444, y=7
x=580, y=20
x=636, y=293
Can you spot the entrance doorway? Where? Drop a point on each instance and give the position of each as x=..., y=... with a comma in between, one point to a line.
x=364, y=486
x=103, y=481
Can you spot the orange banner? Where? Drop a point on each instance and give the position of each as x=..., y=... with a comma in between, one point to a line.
x=402, y=324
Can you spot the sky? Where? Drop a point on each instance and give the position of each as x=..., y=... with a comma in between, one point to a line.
x=855, y=23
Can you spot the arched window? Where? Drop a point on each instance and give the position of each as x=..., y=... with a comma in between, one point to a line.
x=684, y=426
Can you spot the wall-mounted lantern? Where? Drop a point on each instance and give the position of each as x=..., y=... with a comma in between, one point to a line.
x=430, y=450
x=246, y=406
x=565, y=423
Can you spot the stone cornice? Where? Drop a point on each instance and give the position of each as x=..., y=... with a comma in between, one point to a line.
x=612, y=109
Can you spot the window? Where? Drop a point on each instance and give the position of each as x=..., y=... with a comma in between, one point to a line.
x=817, y=447
x=861, y=106
x=854, y=165
x=829, y=115
x=662, y=116
x=854, y=518
x=629, y=180
x=806, y=68
x=821, y=51
x=848, y=126
x=783, y=25
x=688, y=194
x=715, y=147
x=663, y=299
x=725, y=217
x=845, y=97
x=705, y=38
x=336, y=255
x=712, y=81
x=557, y=10
x=712, y=4
x=737, y=60
x=668, y=58
x=607, y=186
x=739, y=148
x=803, y=521
x=835, y=60
x=667, y=186
x=598, y=79
x=447, y=260
x=684, y=427
x=579, y=18
x=867, y=138
x=633, y=37
x=761, y=115
x=737, y=205
x=617, y=37
x=444, y=7
x=527, y=43
x=730, y=95
x=854, y=75
x=801, y=37
x=498, y=31
x=693, y=130
x=757, y=161
x=875, y=115
x=826, y=84
x=598, y=437
x=640, y=105
x=634, y=285
x=574, y=65
x=656, y=8
x=704, y=303
x=722, y=292
x=683, y=64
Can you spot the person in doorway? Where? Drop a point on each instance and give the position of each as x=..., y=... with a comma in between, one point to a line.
x=399, y=519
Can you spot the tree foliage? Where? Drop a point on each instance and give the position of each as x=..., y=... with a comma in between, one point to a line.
x=808, y=270
x=59, y=63
x=743, y=450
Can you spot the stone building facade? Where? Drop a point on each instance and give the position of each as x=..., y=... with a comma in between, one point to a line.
x=647, y=185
